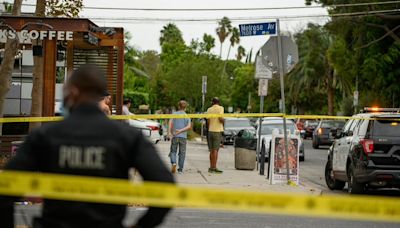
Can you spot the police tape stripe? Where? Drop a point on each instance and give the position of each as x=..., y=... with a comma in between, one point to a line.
x=102, y=190
x=193, y=116
x=147, y=116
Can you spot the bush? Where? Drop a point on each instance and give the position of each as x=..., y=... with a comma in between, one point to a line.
x=197, y=126
x=137, y=98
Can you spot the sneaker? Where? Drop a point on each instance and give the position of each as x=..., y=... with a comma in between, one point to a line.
x=180, y=171
x=215, y=170
x=173, y=168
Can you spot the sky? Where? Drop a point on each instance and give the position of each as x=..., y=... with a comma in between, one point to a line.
x=145, y=34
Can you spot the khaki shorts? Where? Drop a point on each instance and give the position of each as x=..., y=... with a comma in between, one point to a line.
x=214, y=140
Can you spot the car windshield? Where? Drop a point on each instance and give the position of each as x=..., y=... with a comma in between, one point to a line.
x=386, y=128
x=267, y=128
x=332, y=124
x=244, y=123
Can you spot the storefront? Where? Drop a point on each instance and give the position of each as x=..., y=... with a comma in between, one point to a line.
x=64, y=44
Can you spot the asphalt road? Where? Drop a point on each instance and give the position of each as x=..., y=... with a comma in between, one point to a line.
x=313, y=168
x=311, y=173
x=202, y=218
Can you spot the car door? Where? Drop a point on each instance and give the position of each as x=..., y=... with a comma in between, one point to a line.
x=345, y=146
x=337, y=145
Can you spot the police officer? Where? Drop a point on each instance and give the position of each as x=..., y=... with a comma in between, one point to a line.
x=87, y=143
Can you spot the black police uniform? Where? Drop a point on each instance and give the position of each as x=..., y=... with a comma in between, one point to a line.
x=88, y=143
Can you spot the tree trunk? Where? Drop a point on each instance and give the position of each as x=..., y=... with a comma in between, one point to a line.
x=229, y=51
x=331, y=93
x=220, y=51
x=37, y=77
x=7, y=65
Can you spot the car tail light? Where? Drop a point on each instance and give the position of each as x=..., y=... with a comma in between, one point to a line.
x=368, y=145
x=153, y=128
x=320, y=131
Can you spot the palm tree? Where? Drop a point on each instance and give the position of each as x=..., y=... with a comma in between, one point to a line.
x=170, y=34
x=314, y=71
x=235, y=39
x=223, y=31
x=209, y=42
x=241, y=52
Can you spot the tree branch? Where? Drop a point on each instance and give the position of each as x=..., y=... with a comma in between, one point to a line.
x=379, y=39
x=389, y=17
x=384, y=27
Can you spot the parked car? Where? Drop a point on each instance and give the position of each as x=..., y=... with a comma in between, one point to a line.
x=155, y=128
x=322, y=133
x=366, y=154
x=269, y=124
x=232, y=126
x=309, y=127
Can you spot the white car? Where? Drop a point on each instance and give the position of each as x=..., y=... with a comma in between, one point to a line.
x=149, y=128
x=269, y=124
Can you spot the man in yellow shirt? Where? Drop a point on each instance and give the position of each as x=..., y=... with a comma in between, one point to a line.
x=215, y=130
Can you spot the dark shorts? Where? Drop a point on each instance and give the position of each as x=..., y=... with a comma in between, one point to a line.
x=214, y=140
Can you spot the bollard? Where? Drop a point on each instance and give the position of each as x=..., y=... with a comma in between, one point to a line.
x=262, y=158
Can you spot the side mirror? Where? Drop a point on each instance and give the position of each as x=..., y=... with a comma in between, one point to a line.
x=350, y=133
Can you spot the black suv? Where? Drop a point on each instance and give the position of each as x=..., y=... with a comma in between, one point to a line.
x=366, y=153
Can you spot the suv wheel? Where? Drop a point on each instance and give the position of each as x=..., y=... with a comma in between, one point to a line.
x=353, y=186
x=330, y=180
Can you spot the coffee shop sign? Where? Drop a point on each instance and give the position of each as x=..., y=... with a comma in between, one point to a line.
x=27, y=36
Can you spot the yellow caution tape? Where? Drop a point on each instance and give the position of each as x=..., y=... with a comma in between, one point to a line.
x=192, y=116
x=102, y=190
x=147, y=116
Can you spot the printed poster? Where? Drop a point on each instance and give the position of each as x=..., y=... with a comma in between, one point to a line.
x=278, y=163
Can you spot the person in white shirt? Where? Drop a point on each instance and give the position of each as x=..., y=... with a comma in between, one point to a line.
x=125, y=107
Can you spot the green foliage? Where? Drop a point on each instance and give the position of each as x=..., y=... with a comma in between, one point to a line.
x=184, y=79
x=7, y=8
x=209, y=42
x=64, y=8
x=243, y=85
x=171, y=34
x=223, y=30
x=241, y=52
x=137, y=98
x=365, y=51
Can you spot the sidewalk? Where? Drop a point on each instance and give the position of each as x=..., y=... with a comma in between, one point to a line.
x=196, y=172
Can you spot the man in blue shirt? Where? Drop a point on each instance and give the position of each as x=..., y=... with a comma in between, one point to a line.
x=178, y=130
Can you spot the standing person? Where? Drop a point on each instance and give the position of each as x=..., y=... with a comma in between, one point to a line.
x=214, y=137
x=126, y=106
x=104, y=103
x=63, y=148
x=178, y=130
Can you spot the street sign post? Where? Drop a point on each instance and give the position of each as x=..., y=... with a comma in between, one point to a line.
x=259, y=29
x=203, y=98
x=262, y=87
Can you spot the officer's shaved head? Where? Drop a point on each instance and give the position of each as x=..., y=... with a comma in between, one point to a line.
x=87, y=84
x=90, y=80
